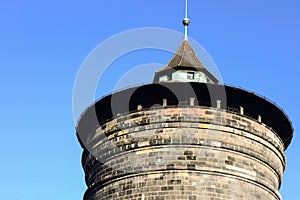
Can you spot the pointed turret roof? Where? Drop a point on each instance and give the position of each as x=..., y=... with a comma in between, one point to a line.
x=185, y=59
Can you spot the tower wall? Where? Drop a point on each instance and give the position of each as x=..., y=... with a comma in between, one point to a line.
x=187, y=153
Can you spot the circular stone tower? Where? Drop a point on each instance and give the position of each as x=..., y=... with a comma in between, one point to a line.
x=183, y=137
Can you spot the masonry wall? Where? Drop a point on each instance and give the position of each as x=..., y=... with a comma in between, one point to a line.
x=184, y=153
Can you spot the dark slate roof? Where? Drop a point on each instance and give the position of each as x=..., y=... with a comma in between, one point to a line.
x=179, y=94
x=185, y=57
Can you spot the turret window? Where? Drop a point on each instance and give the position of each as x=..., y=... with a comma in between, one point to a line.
x=190, y=75
x=163, y=78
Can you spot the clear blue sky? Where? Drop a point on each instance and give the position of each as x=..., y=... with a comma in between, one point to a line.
x=255, y=45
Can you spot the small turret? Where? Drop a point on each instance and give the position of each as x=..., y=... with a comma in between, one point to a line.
x=185, y=65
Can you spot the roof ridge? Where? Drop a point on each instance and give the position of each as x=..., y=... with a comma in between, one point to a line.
x=182, y=57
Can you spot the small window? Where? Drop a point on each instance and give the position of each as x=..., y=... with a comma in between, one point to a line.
x=190, y=75
x=163, y=78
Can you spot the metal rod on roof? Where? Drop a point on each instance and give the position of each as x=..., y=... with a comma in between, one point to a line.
x=186, y=8
x=186, y=21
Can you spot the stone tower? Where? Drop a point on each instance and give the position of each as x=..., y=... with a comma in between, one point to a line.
x=185, y=136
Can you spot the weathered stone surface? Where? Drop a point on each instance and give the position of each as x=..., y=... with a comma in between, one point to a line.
x=184, y=153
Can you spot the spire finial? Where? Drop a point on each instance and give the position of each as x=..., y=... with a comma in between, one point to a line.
x=186, y=21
